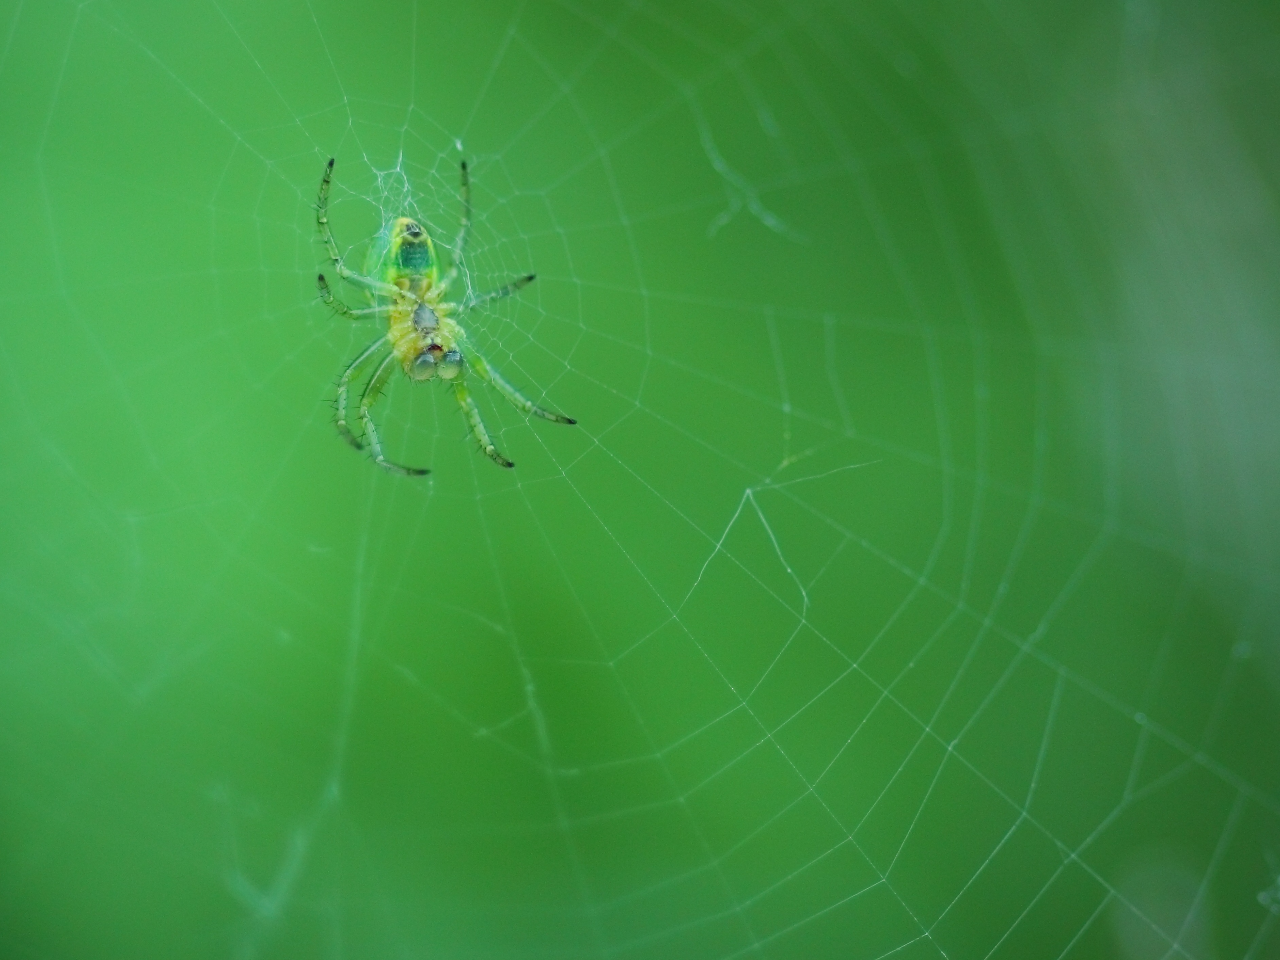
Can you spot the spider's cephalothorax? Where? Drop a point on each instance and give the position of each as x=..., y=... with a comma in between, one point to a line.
x=405, y=283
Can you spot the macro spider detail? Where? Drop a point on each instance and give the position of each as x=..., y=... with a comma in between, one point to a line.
x=405, y=283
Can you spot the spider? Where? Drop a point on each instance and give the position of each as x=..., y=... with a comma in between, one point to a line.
x=405, y=282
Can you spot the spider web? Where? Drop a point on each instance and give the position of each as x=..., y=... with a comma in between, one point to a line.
x=908, y=587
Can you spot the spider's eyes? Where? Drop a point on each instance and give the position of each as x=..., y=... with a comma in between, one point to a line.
x=450, y=365
x=423, y=366
x=412, y=230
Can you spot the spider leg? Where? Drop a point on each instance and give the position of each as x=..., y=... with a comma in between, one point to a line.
x=371, y=393
x=464, y=229
x=478, y=431
x=344, y=382
x=503, y=291
x=322, y=221
x=340, y=308
x=517, y=399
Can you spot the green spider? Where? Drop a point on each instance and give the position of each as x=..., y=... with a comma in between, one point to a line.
x=423, y=336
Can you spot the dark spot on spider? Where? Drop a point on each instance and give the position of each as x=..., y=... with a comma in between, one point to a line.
x=425, y=319
x=412, y=230
x=414, y=257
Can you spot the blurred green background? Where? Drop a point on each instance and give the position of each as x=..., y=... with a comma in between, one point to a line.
x=910, y=587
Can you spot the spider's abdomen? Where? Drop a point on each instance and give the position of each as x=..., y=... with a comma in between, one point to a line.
x=414, y=258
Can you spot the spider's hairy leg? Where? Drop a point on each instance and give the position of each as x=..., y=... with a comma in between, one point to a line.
x=344, y=383
x=464, y=228
x=340, y=308
x=472, y=413
x=517, y=399
x=504, y=291
x=331, y=247
x=373, y=389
